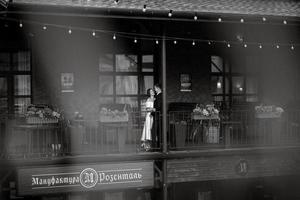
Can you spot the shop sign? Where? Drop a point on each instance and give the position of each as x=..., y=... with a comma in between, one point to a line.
x=33, y=181
x=67, y=82
x=242, y=168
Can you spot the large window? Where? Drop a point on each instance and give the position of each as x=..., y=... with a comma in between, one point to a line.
x=125, y=78
x=15, y=81
x=233, y=83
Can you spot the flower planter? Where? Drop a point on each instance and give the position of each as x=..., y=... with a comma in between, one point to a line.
x=38, y=120
x=114, y=118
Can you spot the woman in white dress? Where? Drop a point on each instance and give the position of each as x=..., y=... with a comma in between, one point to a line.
x=146, y=135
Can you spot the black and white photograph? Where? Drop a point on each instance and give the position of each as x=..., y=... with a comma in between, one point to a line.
x=149, y=99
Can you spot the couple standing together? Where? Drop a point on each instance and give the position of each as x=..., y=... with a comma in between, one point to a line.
x=151, y=129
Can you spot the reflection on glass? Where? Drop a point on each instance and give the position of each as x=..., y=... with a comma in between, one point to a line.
x=3, y=105
x=21, y=61
x=126, y=63
x=126, y=84
x=4, y=61
x=106, y=63
x=237, y=85
x=22, y=85
x=147, y=63
x=132, y=101
x=217, y=84
x=106, y=85
x=216, y=64
x=21, y=104
x=3, y=87
x=147, y=82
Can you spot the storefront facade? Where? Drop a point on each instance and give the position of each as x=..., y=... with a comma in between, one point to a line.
x=83, y=58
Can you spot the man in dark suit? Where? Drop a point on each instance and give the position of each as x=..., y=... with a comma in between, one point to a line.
x=156, y=131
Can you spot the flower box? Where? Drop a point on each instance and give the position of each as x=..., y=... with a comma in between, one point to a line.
x=39, y=120
x=122, y=117
x=199, y=116
x=268, y=115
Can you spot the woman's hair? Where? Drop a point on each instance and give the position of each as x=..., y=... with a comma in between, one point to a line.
x=148, y=91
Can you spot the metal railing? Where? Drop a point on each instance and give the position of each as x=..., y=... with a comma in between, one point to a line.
x=236, y=128
x=76, y=137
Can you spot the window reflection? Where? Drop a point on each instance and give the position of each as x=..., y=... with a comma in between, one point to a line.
x=4, y=61
x=106, y=85
x=132, y=101
x=147, y=82
x=3, y=86
x=22, y=85
x=126, y=84
x=126, y=63
x=147, y=63
x=21, y=61
x=106, y=63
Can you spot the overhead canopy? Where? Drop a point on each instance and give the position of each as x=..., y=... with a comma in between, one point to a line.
x=276, y=8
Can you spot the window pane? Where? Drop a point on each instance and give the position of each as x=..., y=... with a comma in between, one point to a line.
x=3, y=87
x=237, y=85
x=106, y=85
x=252, y=85
x=106, y=100
x=126, y=63
x=238, y=99
x=21, y=104
x=147, y=82
x=22, y=85
x=126, y=84
x=4, y=61
x=3, y=105
x=217, y=84
x=21, y=61
x=216, y=64
x=106, y=63
x=132, y=101
x=147, y=63
x=251, y=98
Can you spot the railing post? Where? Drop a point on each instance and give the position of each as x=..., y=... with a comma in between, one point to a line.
x=164, y=118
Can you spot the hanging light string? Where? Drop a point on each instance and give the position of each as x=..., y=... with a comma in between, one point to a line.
x=141, y=36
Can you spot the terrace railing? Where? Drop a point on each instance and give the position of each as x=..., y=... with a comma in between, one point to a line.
x=236, y=128
x=87, y=137
x=75, y=137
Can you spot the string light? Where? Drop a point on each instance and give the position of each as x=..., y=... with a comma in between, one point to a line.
x=170, y=13
x=135, y=40
x=21, y=25
x=209, y=43
x=44, y=27
x=284, y=22
x=156, y=42
x=195, y=17
x=277, y=46
x=228, y=45
x=70, y=31
x=220, y=19
x=94, y=34
x=264, y=19
x=114, y=37
x=242, y=20
x=193, y=43
x=260, y=46
x=175, y=42
x=292, y=47
x=245, y=45
x=144, y=8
